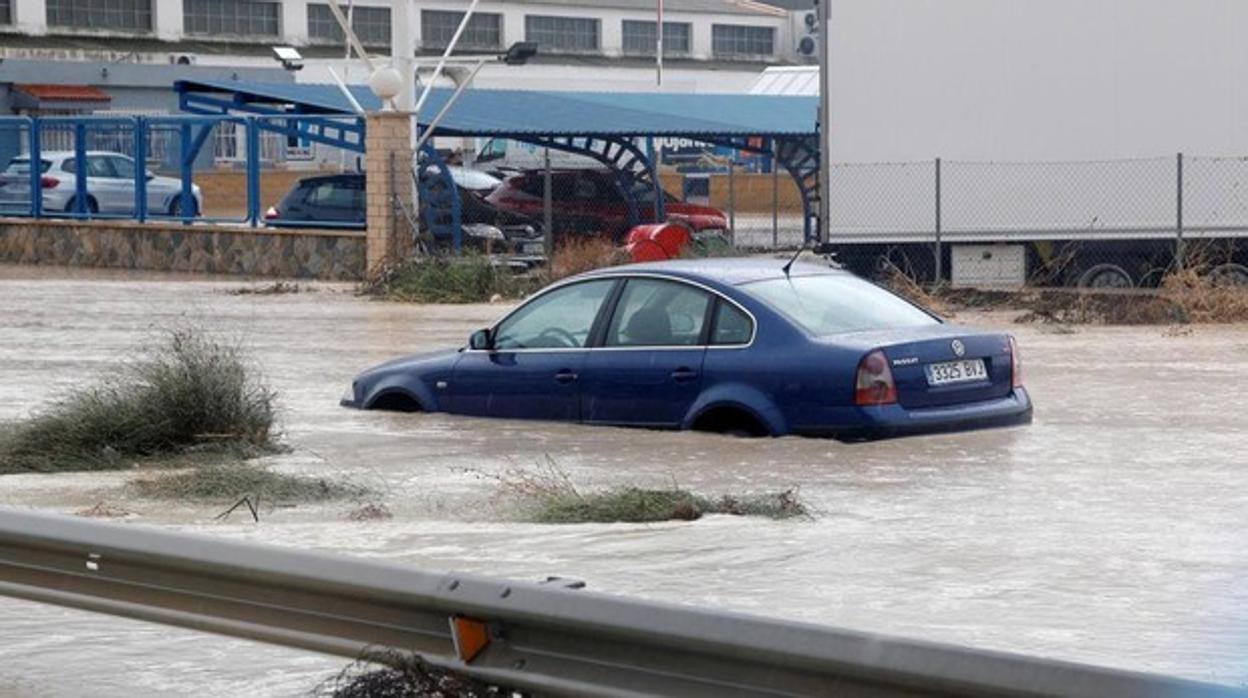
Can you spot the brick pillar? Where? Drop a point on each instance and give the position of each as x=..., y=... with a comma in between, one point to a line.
x=388, y=160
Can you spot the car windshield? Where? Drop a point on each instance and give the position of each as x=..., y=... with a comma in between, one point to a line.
x=21, y=166
x=475, y=180
x=837, y=303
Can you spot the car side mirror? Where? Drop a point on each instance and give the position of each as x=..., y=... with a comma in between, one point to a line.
x=481, y=341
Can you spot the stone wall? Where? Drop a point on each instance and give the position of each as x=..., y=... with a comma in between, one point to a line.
x=299, y=254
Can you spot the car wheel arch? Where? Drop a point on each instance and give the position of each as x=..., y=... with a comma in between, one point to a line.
x=746, y=400
x=399, y=398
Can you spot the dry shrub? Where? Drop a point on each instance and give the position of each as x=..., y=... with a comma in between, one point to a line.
x=546, y=494
x=227, y=483
x=905, y=284
x=189, y=393
x=581, y=254
x=1201, y=299
x=389, y=674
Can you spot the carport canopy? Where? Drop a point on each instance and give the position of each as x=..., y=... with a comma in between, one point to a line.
x=603, y=125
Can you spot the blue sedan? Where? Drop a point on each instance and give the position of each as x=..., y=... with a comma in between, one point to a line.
x=733, y=346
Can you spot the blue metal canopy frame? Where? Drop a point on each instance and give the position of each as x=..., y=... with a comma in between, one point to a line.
x=603, y=126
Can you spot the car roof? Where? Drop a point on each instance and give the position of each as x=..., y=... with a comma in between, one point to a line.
x=316, y=179
x=66, y=154
x=729, y=271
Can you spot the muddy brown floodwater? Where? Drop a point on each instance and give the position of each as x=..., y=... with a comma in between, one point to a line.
x=1114, y=530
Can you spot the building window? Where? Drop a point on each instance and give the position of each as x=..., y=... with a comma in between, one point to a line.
x=736, y=40
x=6, y=12
x=123, y=15
x=371, y=25
x=562, y=34
x=230, y=17
x=640, y=39
x=484, y=30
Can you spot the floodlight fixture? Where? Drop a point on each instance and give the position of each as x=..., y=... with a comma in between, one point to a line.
x=288, y=57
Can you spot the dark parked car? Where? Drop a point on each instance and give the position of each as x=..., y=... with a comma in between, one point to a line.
x=591, y=201
x=734, y=346
x=339, y=200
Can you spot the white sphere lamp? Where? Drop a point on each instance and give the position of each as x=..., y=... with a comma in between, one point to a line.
x=386, y=83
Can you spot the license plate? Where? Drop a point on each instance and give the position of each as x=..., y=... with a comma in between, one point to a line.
x=963, y=371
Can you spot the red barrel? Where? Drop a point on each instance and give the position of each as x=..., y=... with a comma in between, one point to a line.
x=643, y=250
x=671, y=238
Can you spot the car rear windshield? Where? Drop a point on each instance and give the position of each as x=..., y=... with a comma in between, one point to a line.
x=838, y=303
x=21, y=166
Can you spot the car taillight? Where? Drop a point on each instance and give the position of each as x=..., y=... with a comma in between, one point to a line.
x=875, y=384
x=272, y=214
x=1016, y=365
x=47, y=182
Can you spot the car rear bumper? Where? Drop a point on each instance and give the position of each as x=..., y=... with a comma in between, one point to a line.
x=894, y=420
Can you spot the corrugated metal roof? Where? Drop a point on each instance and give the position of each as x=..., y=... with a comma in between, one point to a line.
x=522, y=112
x=791, y=81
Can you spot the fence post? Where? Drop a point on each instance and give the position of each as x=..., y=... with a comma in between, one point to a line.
x=548, y=214
x=775, y=198
x=253, y=171
x=186, y=165
x=1178, y=225
x=80, y=169
x=940, y=257
x=140, y=168
x=36, y=168
x=732, y=201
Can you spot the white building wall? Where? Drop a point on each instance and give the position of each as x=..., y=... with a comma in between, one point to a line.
x=31, y=17
x=1026, y=80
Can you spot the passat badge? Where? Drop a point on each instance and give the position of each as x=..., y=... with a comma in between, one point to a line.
x=958, y=347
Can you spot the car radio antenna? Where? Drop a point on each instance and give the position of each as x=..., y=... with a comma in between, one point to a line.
x=793, y=259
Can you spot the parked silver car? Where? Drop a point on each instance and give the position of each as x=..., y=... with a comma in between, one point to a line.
x=110, y=186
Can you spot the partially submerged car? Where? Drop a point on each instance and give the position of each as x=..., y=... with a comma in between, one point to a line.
x=338, y=200
x=110, y=186
x=736, y=346
x=591, y=201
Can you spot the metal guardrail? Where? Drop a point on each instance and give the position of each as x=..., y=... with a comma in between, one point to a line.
x=537, y=637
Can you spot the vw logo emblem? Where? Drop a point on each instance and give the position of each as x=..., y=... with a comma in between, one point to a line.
x=958, y=347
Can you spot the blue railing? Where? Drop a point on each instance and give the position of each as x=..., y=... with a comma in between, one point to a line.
x=112, y=187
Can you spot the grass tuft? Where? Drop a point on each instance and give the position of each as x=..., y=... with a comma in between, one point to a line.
x=228, y=483
x=189, y=393
x=579, y=255
x=469, y=279
x=546, y=494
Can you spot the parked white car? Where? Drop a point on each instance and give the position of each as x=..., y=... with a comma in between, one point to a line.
x=110, y=186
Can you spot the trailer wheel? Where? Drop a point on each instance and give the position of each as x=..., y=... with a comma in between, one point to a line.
x=1106, y=276
x=1229, y=275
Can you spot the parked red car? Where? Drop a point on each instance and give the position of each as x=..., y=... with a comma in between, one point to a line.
x=591, y=201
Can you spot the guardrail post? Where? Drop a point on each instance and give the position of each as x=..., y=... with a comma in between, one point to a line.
x=140, y=168
x=1178, y=222
x=253, y=171
x=36, y=169
x=938, y=251
x=80, y=168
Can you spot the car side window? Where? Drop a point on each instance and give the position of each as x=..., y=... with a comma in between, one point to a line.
x=658, y=313
x=732, y=326
x=123, y=168
x=99, y=166
x=332, y=195
x=559, y=319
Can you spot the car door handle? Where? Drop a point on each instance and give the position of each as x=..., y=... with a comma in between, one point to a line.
x=681, y=375
x=565, y=376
